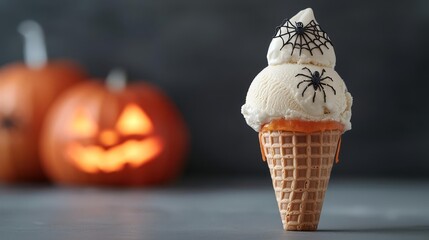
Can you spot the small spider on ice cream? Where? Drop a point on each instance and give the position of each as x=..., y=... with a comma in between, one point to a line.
x=316, y=80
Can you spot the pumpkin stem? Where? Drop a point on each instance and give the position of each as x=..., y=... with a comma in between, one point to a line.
x=116, y=80
x=34, y=44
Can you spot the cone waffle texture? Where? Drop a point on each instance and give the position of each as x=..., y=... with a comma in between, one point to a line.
x=300, y=165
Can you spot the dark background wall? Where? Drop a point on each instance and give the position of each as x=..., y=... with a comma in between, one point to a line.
x=204, y=54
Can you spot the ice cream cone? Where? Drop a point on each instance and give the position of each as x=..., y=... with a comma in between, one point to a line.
x=300, y=106
x=300, y=164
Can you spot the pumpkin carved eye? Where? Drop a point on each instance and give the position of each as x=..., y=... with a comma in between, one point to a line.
x=7, y=123
x=82, y=125
x=134, y=120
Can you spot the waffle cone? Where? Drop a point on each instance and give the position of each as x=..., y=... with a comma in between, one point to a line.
x=300, y=164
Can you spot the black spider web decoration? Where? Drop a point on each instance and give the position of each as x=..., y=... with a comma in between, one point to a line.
x=309, y=37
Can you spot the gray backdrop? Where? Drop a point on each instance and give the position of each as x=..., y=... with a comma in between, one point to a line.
x=204, y=54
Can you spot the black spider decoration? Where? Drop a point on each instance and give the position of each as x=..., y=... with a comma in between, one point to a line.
x=308, y=37
x=316, y=80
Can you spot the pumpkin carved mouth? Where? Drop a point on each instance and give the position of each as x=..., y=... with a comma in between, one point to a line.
x=132, y=142
x=94, y=158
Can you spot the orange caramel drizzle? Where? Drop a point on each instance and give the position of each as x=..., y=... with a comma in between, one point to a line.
x=337, y=153
x=301, y=126
x=264, y=158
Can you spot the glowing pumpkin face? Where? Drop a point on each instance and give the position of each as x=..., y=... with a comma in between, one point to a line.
x=129, y=142
x=133, y=136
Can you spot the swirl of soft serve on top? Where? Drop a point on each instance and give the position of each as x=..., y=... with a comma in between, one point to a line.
x=300, y=81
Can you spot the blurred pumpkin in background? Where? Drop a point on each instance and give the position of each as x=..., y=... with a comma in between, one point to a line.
x=26, y=92
x=114, y=134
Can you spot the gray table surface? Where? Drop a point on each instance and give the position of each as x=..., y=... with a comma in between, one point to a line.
x=246, y=209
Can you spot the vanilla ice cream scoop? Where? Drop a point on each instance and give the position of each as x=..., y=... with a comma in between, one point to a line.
x=301, y=40
x=300, y=81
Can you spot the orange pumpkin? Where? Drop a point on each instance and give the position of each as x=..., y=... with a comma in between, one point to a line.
x=121, y=135
x=26, y=93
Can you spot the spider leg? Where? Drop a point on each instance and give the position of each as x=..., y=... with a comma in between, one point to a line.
x=309, y=41
x=300, y=74
x=279, y=34
x=326, y=78
x=311, y=27
x=310, y=31
x=289, y=28
x=333, y=89
x=312, y=23
x=314, y=31
x=303, y=81
x=314, y=28
x=294, y=45
x=306, y=89
x=288, y=23
x=323, y=78
x=314, y=95
x=316, y=46
x=304, y=43
x=290, y=37
x=288, y=33
x=285, y=24
x=300, y=44
x=306, y=68
x=324, y=93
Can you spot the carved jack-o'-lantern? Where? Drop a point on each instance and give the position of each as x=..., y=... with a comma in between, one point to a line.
x=26, y=92
x=114, y=135
x=129, y=142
